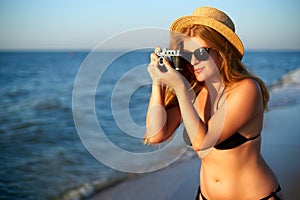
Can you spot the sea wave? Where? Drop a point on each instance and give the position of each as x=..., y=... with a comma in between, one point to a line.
x=287, y=90
x=89, y=189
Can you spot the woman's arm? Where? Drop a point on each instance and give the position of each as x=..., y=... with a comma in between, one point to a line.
x=195, y=127
x=160, y=123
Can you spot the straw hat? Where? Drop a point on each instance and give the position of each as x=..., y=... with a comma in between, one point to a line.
x=214, y=19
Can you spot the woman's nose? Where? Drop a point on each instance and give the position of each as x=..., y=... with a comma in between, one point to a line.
x=194, y=60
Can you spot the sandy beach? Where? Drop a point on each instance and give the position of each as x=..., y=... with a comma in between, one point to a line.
x=280, y=148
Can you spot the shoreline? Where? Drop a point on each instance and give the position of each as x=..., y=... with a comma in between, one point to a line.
x=280, y=149
x=165, y=183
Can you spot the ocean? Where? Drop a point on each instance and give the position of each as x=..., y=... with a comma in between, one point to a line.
x=43, y=155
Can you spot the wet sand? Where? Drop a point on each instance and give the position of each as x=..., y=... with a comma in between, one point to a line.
x=280, y=148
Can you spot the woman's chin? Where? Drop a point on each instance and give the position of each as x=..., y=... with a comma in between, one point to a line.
x=200, y=78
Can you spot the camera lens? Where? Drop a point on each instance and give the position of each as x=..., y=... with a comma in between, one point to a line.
x=161, y=61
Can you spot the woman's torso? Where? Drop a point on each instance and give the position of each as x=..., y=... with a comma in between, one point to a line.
x=237, y=173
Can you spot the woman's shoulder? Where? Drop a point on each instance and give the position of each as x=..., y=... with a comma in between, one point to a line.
x=247, y=83
x=245, y=94
x=247, y=87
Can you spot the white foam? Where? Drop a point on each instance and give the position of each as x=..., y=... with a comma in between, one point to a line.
x=292, y=78
x=287, y=91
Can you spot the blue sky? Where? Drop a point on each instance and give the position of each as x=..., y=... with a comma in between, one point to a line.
x=82, y=24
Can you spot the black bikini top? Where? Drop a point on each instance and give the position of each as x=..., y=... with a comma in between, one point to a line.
x=233, y=141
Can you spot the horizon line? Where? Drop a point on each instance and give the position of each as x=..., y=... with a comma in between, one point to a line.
x=116, y=50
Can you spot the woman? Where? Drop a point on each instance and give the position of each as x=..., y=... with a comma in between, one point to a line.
x=224, y=117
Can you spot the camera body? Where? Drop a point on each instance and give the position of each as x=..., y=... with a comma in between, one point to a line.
x=173, y=56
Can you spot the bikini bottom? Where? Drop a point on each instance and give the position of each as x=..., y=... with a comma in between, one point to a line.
x=273, y=194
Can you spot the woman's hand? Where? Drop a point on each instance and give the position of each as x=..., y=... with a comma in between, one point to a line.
x=164, y=75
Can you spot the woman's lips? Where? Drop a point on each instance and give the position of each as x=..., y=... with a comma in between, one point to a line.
x=198, y=70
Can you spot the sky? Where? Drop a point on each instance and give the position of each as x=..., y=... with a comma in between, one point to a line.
x=83, y=24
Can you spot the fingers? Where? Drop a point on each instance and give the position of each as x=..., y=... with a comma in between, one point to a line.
x=153, y=63
x=153, y=58
x=157, y=49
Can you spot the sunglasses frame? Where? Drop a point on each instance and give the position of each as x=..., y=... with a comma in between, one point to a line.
x=200, y=54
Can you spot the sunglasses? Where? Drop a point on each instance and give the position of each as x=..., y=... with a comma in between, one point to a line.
x=200, y=54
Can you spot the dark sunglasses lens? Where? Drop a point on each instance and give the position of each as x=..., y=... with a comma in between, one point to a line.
x=201, y=54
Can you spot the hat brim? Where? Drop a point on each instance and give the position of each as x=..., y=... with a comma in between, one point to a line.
x=214, y=24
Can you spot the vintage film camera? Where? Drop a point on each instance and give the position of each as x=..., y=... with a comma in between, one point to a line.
x=173, y=56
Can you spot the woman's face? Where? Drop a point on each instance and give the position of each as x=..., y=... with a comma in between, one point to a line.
x=207, y=69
